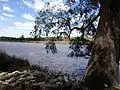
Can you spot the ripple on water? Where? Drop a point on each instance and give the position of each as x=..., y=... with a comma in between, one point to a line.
x=36, y=54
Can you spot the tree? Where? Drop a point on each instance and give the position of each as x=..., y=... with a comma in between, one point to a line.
x=45, y=21
x=89, y=16
x=102, y=69
x=22, y=37
x=64, y=21
x=77, y=17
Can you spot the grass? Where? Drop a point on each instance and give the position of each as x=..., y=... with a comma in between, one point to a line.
x=13, y=63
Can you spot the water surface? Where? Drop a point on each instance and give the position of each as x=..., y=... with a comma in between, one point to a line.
x=36, y=54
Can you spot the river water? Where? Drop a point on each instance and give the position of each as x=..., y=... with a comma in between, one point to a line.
x=36, y=54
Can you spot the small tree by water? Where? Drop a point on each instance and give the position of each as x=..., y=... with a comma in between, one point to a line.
x=51, y=47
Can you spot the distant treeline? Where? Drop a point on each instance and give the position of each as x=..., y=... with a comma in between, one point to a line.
x=32, y=39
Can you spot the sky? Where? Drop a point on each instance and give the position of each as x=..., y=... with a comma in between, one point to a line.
x=17, y=16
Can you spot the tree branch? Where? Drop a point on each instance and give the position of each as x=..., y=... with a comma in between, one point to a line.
x=88, y=23
x=64, y=33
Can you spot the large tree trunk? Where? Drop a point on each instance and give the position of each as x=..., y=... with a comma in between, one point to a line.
x=102, y=69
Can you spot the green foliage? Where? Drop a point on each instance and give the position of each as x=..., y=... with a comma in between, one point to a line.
x=8, y=63
x=50, y=46
x=79, y=41
x=12, y=63
x=80, y=47
x=22, y=37
x=30, y=39
x=76, y=17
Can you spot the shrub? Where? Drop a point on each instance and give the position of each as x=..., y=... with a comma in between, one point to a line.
x=11, y=63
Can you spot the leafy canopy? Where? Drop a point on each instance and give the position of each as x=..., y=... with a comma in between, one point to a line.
x=64, y=18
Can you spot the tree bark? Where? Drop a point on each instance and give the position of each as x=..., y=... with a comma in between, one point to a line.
x=102, y=69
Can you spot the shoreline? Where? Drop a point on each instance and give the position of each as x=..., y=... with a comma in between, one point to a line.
x=57, y=42
x=17, y=74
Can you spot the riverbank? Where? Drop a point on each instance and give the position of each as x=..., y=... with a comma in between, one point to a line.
x=44, y=42
x=18, y=74
x=57, y=42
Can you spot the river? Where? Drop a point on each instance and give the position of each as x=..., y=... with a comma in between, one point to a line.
x=36, y=54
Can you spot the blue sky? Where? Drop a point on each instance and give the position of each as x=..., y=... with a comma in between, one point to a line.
x=17, y=16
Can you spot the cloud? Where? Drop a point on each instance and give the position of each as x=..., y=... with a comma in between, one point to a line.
x=25, y=25
x=27, y=3
x=11, y=32
x=2, y=18
x=36, y=5
x=8, y=15
x=6, y=8
x=4, y=0
x=60, y=6
x=39, y=4
x=5, y=16
x=17, y=29
x=28, y=16
x=22, y=7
